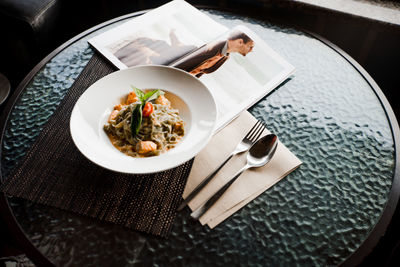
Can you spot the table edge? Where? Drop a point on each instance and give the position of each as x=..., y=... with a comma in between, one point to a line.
x=360, y=253
x=393, y=198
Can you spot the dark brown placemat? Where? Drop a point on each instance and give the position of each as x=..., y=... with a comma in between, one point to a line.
x=55, y=173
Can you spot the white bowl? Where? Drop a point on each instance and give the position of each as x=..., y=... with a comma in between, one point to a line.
x=186, y=93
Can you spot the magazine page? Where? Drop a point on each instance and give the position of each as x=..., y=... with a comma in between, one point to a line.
x=159, y=36
x=236, y=65
x=242, y=77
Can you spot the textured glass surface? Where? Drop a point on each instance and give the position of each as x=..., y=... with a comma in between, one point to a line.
x=320, y=214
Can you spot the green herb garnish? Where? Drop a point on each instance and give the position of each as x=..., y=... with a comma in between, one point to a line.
x=136, y=118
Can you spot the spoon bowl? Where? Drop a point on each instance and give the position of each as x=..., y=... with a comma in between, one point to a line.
x=259, y=154
x=262, y=151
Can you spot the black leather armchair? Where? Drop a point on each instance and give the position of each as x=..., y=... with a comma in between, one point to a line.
x=27, y=28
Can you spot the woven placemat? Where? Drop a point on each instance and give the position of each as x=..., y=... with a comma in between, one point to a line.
x=55, y=173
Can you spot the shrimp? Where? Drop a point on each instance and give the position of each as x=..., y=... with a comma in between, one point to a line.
x=118, y=107
x=113, y=115
x=132, y=98
x=162, y=100
x=144, y=147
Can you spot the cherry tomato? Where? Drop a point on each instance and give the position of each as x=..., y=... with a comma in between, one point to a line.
x=148, y=109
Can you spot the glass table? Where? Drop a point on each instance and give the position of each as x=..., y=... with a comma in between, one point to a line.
x=330, y=211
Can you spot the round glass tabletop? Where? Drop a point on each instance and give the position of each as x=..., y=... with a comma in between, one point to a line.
x=327, y=114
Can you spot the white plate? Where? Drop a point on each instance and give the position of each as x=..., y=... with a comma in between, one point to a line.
x=186, y=93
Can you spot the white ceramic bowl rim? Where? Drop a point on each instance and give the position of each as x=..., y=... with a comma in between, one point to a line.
x=193, y=99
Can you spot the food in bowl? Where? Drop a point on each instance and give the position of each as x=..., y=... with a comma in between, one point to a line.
x=144, y=124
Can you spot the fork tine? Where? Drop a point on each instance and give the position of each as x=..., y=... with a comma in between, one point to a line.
x=258, y=132
x=262, y=128
x=254, y=133
x=251, y=130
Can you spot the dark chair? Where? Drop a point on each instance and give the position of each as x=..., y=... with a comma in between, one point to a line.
x=4, y=88
x=31, y=29
x=27, y=29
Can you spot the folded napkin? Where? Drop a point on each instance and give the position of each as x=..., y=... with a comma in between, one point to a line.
x=250, y=184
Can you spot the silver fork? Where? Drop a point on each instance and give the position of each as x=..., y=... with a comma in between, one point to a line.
x=244, y=145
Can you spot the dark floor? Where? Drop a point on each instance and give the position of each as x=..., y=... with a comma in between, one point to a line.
x=374, y=44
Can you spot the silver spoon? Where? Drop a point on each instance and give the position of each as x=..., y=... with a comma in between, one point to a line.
x=259, y=155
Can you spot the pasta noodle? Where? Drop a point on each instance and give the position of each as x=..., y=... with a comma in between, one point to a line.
x=159, y=132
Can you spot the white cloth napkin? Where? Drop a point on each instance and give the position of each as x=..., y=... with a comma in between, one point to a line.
x=250, y=184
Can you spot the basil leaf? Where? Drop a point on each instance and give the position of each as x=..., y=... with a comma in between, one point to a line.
x=139, y=93
x=152, y=95
x=137, y=113
x=136, y=119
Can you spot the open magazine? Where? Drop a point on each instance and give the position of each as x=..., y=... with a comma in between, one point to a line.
x=236, y=65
